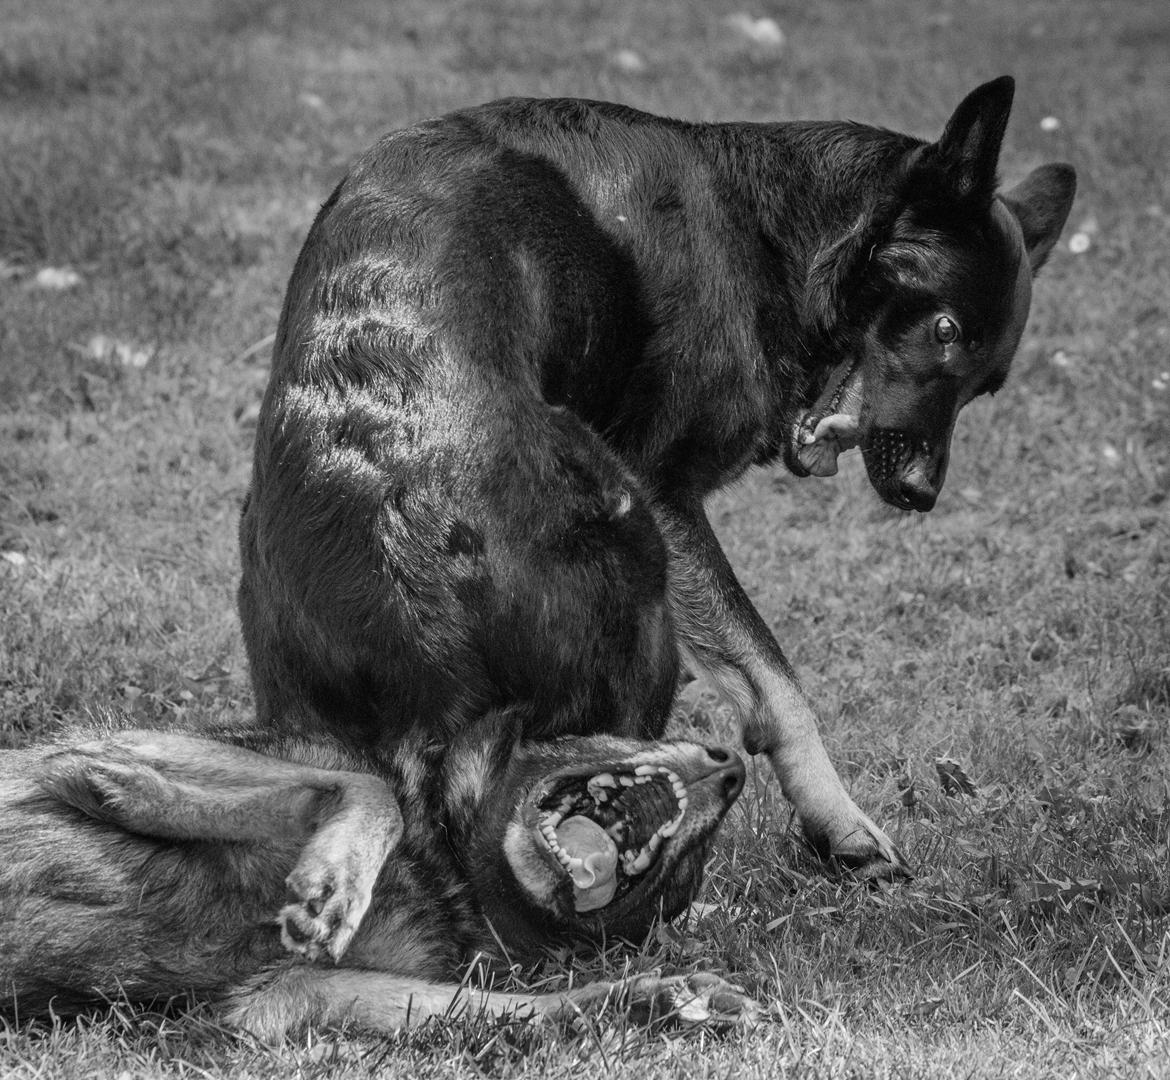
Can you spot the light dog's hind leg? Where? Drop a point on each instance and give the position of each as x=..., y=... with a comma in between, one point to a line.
x=181, y=787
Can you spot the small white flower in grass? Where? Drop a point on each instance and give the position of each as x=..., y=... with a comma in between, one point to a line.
x=1061, y=359
x=629, y=61
x=14, y=558
x=1050, y=123
x=1111, y=454
x=1079, y=243
x=763, y=31
x=1161, y=381
x=311, y=100
x=57, y=277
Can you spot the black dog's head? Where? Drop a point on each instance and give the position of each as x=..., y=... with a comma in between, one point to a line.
x=592, y=836
x=924, y=301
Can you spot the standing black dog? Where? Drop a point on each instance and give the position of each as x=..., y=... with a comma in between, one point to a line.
x=521, y=345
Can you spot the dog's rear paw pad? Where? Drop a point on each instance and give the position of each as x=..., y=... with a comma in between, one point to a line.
x=323, y=914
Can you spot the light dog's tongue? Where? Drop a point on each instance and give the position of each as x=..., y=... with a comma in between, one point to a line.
x=594, y=862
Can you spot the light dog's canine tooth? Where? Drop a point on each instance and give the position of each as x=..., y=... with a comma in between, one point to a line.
x=642, y=862
x=646, y=770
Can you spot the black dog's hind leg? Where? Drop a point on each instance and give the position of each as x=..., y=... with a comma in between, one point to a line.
x=723, y=635
x=181, y=787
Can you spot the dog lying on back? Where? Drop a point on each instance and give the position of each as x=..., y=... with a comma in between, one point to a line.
x=523, y=343
x=150, y=865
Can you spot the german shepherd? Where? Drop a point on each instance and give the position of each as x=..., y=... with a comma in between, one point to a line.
x=521, y=345
x=147, y=865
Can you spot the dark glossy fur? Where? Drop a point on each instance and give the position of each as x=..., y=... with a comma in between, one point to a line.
x=523, y=342
x=151, y=865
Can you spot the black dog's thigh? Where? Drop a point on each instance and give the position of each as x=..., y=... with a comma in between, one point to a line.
x=506, y=558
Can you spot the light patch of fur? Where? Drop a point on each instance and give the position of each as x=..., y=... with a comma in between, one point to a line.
x=530, y=865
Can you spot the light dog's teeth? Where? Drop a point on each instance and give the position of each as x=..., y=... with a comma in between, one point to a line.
x=680, y=789
x=671, y=827
x=682, y=804
x=598, y=785
x=642, y=862
x=626, y=781
x=566, y=802
x=617, y=831
x=643, y=779
x=655, y=842
x=646, y=770
x=554, y=819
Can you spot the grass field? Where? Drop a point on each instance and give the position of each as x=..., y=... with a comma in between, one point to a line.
x=171, y=156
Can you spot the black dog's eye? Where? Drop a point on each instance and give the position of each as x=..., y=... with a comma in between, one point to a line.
x=946, y=329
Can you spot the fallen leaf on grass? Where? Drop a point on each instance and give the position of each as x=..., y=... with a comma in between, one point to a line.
x=56, y=277
x=953, y=778
x=924, y=1008
x=111, y=350
x=763, y=31
x=675, y=939
x=629, y=61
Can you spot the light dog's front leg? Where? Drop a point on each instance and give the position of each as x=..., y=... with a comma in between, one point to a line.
x=386, y=1003
x=181, y=787
x=723, y=636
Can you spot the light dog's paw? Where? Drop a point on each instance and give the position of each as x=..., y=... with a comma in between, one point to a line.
x=326, y=907
x=700, y=998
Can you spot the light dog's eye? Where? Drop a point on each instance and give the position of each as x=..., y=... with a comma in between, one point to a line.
x=946, y=330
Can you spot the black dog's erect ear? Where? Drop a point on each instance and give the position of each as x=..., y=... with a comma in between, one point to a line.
x=968, y=151
x=1040, y=203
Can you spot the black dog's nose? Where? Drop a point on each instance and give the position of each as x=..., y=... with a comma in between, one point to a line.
x=729, y=772
x=917, y=490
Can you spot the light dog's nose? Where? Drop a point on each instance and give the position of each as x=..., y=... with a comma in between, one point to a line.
x=729, y=770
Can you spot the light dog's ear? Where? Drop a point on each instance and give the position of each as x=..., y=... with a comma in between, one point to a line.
x=1041, y=203
x=968, y=152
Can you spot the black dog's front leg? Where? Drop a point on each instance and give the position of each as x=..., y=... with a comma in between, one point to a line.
x=722, y=635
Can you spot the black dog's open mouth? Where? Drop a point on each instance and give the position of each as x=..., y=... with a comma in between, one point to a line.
x=832, y=424
x=608, y=829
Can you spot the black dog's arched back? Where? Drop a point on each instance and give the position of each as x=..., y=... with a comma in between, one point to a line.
x=520, y=346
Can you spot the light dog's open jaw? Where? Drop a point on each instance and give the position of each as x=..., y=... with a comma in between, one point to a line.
x=608, y=828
